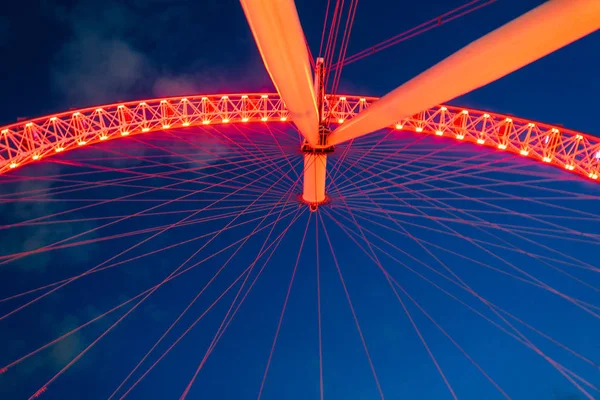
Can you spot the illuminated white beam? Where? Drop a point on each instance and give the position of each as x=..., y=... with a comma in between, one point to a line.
x=522, y=41
x=282, y=45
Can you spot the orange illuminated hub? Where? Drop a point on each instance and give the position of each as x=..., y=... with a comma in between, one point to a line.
x=315, y=175
x=315, y=170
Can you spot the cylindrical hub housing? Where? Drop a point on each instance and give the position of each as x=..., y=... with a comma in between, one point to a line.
x=315, y=174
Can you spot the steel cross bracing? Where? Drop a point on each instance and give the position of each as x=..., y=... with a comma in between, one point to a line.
x=34, y=140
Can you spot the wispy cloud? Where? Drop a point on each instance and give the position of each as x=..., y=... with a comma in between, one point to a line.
x=113, y=54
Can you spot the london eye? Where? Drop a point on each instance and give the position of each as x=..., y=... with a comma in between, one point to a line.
x=307, y=243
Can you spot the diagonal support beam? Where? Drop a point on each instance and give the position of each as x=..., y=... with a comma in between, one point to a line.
x=282, y=45
x=522, y=41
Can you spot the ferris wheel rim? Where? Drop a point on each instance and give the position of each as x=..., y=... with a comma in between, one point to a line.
x=125, y=118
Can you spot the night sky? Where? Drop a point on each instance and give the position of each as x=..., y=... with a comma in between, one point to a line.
x=60, y=55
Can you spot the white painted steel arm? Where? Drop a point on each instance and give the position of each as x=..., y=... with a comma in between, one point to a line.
x=522, y=41
x=282, y=45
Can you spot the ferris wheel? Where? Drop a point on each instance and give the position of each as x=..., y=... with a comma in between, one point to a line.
x=306, y=243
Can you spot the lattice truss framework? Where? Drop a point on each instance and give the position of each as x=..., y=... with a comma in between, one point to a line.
x=33, y=140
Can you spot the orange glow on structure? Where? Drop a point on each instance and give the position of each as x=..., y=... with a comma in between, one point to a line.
x=278, y=33
x=497, y=54
x=315, y=173
x=582, y=153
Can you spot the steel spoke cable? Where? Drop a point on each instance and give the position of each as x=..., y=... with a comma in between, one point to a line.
x=217, y=334
x=568, y=298
x=324, y=28
x=123, y=235
x=163, y=203
x=133, y=308
x=434, y=168
x=406, y=311
x=357, y=324
x=344, y=45
x=339, y=160
x=404, y=187
x=233, y=142
x=274, y=244
x=128, y=196
x=348, y=231
x=195, y=146
x=457, y=161
x=202, y=291
x=478, y=211
x=354, y=176
x=389, y=279
x=5, y=368
x=279, y=323
x=264, y=156
x=332, y=39
x=116, y=256
x=283, y=153
x=498, y=182
x=534, y=283
x=84, y=185
x=402, y=165
x=529, y=230
x=142, y=256
x=319, y=322
x=407, y=234
x=561, y=369
x=373, y=212
x=9, y=178
x=527, y=216
x=515, y=247
x=421, y=28
x=533, y=200
x=359, y=200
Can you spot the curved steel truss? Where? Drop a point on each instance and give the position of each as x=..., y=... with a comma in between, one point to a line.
x=33, y=140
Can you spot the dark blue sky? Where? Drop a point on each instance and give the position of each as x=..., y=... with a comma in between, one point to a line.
x=61, y=55
x=71, y=54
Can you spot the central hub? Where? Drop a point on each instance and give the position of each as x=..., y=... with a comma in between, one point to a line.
x=315, y=157
x=315, y=171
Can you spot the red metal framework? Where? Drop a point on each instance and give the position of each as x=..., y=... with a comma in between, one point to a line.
x=33, y=140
